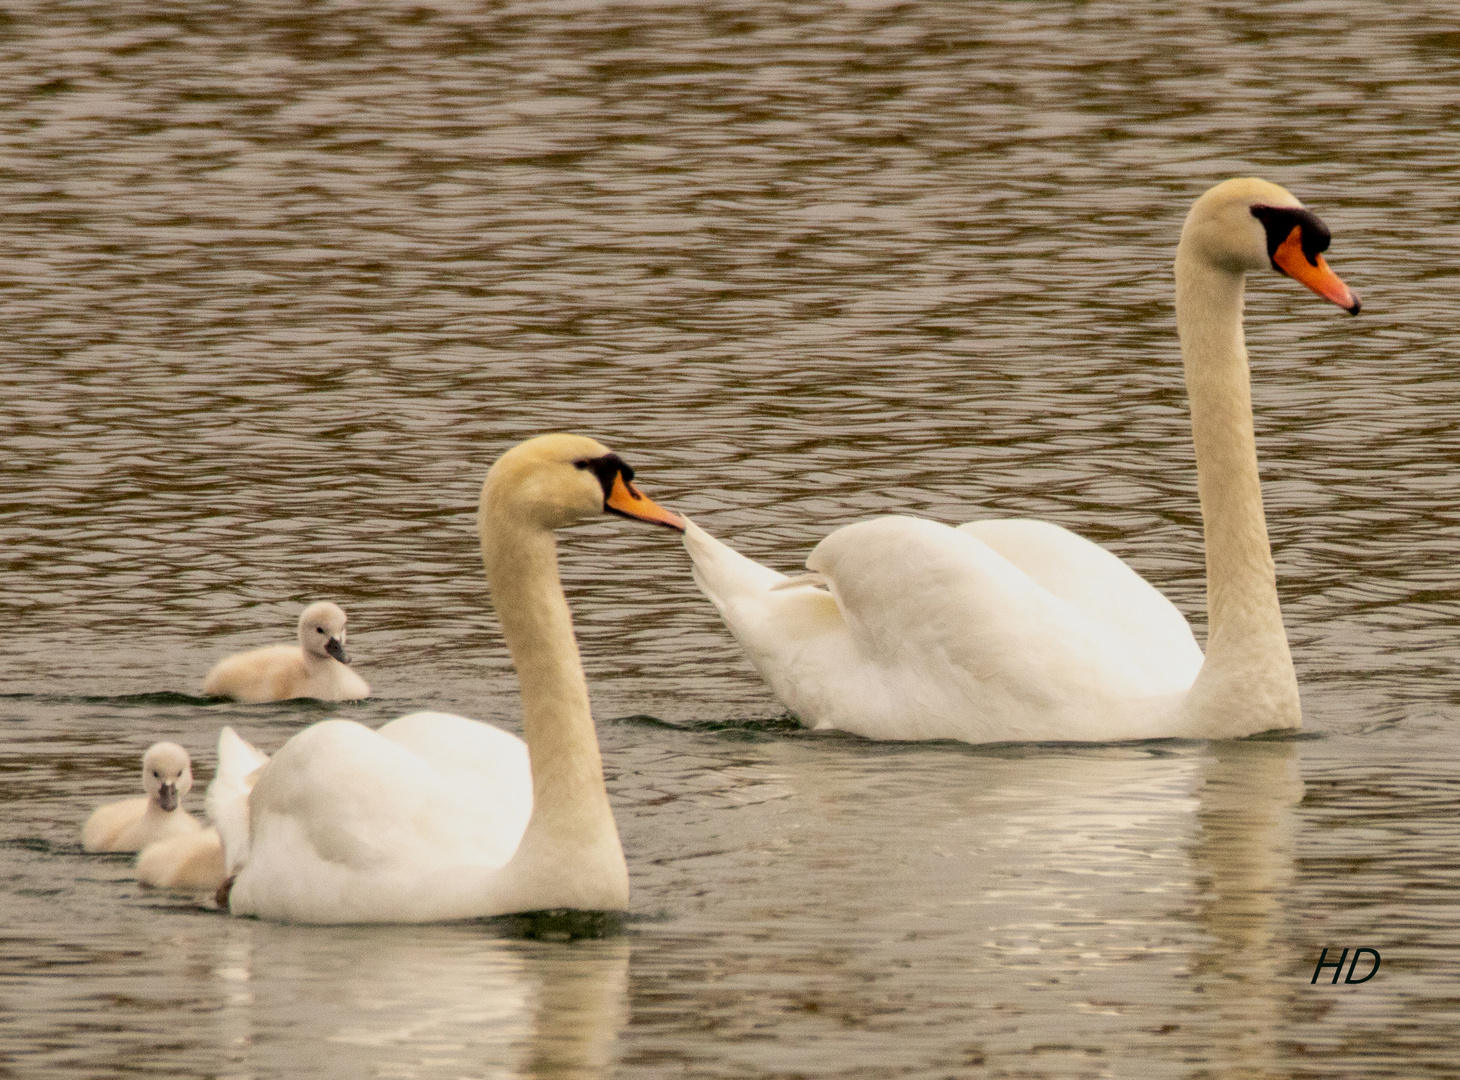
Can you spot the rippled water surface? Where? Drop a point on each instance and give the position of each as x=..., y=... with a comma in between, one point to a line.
x=281, y=280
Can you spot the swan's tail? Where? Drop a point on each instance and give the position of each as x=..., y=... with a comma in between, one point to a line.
x=227, y=802
x=782, y=622
x=722, y=573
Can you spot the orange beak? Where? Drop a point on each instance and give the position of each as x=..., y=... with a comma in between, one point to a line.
x=627, y=500
x=1289, y=258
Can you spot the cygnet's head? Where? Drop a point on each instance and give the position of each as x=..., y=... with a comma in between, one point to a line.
x=1247, y=224
x=167, y=774
x=322, y=631
x=557, y=480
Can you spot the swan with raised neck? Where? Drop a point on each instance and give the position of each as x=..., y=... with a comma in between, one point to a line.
x=1015, y=630
x=529, y=494
x=435, y=816
x=1247, y=683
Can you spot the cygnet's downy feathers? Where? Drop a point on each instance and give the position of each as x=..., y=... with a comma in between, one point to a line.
x=187, y=863
x=132, y=824
x=315, y=668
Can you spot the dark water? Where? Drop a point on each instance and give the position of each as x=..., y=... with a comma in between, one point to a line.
x=280, y=281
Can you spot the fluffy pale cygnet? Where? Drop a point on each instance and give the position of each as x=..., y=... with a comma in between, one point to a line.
x=189, y=863
x=132, y=824
x=195, y=862
x=315, y=668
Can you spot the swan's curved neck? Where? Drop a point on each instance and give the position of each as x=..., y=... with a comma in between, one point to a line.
x=1246, y=683
x=571, y=835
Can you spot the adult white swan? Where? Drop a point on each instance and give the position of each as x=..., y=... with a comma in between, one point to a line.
x=1020, y=630
x=436, y=816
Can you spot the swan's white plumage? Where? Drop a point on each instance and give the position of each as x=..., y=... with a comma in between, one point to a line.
x=310, y=669
x=874, y=651
x=1021, y=630
x=239, y=763
x=348, y=822
x=435, y=816
x=1149, y=628
x=132, y=824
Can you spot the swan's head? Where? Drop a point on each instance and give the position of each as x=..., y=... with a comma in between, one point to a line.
x=322, y=631
x=557, y=480
x=167, y=774
x=1248, y=224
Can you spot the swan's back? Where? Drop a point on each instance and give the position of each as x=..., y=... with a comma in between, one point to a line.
x=948, y=638
x=273, y=673
x=404, y=824
x=108, y=826
x=1105, y=590
x=490, y=767
x=283, y=673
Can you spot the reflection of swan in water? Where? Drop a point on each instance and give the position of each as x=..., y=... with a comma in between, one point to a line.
x=1067, y=899
x=1244, y=851
x=424, y=1001
x=1244, y=862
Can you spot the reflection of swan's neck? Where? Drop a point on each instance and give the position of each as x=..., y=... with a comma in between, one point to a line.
x=570, y=855
x=1247, y=678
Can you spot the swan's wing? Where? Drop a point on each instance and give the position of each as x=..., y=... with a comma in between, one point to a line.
x=954, y=640
x=928, y=632
x=227, y=800
x=490, y=767
x=1101, y=587
x=351, y=825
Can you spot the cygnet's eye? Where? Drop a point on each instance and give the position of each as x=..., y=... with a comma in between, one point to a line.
x=319, y=629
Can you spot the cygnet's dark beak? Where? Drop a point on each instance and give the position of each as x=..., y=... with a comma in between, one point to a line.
x=167, y=797
x=335, y=649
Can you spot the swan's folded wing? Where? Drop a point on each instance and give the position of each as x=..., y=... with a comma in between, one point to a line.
x=951, y=639
x=1104, y=589
x=348, y=826
x=488, y=766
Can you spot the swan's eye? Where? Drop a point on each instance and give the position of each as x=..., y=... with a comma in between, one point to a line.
x=1279, y=222
x=607, y=468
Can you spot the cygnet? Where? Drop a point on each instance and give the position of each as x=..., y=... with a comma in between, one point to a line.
x=315, y=668
x=195, y=863
x=132, y=824
x=190, y=863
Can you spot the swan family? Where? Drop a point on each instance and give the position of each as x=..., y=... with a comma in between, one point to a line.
x=903, y=628
x=436, y=816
